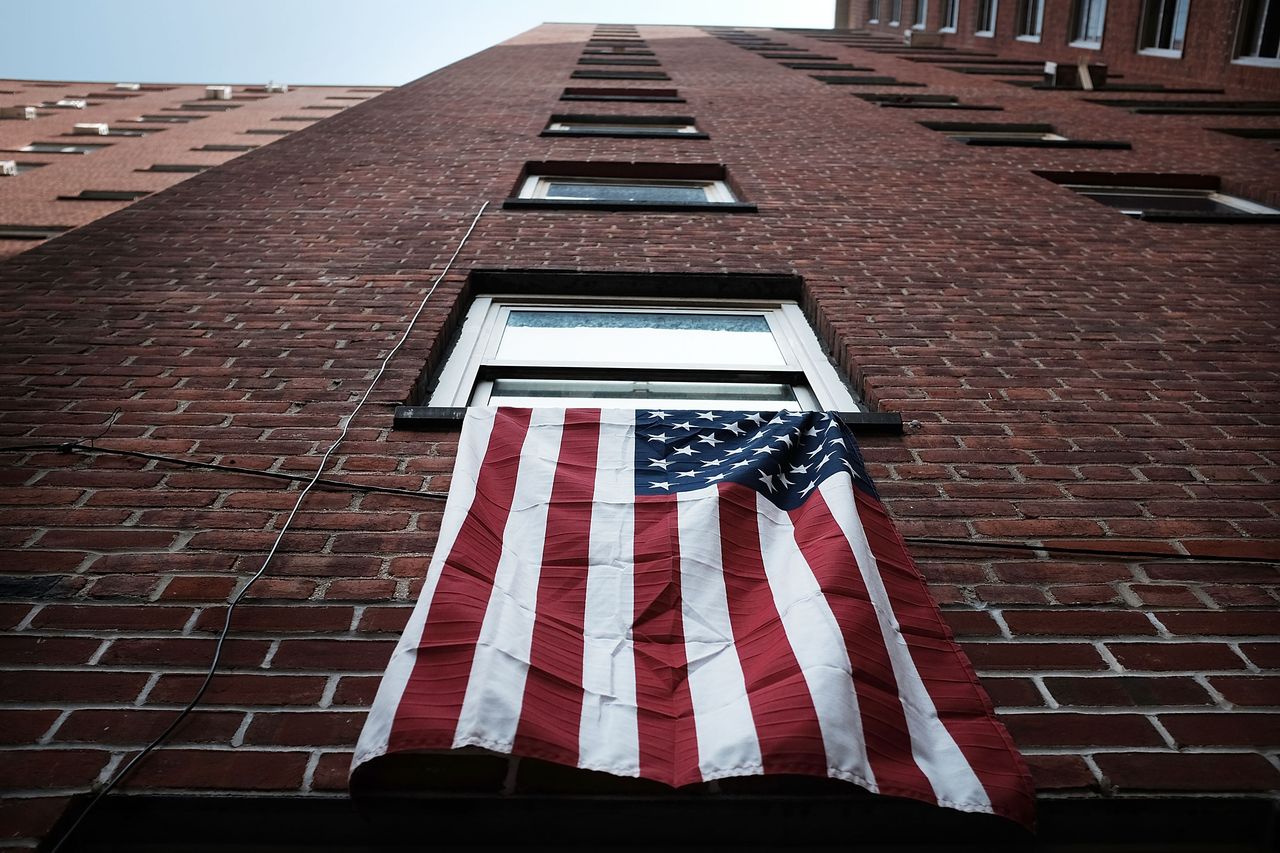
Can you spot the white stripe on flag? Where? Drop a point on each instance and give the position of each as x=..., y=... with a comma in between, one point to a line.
x=608, y=738
x=932, y=746
x=495, y=688
x=466, y=471
x=818, y=645
x=727, y=741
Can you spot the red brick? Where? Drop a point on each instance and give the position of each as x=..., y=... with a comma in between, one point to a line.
x=356, y=690
x=240, y=689
x=183, y=651
x=71, y=685
x=1220, y=623
x=108, y=540
x=267, y=617
x=1264, y=655
x=335, y=655
x=133, y=726
x=1060, y=772
x=1251, y=690
x=209, y=588
x=1226, y=728
x=384, y=620
x=371, y=589
x=30, y=817
x=1127, y=691
x=317, y=728
x=1066, y=729
x=1079, y=623
x=1033, y=656
x=212, y=769
x=1164, y=595
x=1163, y=657
x=111, y=617
x=971, y=623
x=55, y=768
x=25, y=727
x=1156, y=771
x=1013, y=692
x=47, y=651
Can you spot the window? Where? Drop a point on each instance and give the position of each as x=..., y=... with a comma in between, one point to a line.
x=985, y=25
x=11, y=168
x=625, y=186
x=31, y=232
x=895, y=12
x=1163, y=27
x=1088, y=19
x=1259, y=36
x=625, y=189
x=950, y=16
x=873, y=11
x=583, y=93
x=218, y=147
x=1030, y=19
x=1165, y=198
x=61, y=148
x=635, y=352
x=623, y=126
x=964, y=132
x=106, y=195
x=589, y=74
x=921, y=14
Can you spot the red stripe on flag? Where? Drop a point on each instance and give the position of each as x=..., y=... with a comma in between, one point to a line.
x=946, y=672
x=884, y=723
x=664, y=706
x=427, y=716
x=551, y=711
x=781, y=706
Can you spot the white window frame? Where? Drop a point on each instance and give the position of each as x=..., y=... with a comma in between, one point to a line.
x=950, y=16
x=921, y=15
x=1030, y=20
x=1081, y=12
x=873, y=11
x=1012, y=135
x=1251, y=54
x=69, y=148
x=538, y=186
x=1181, y=12
x=460, y=381
x=636, y=127
x=1243, y=205
x=992, y=16
x=895, y=13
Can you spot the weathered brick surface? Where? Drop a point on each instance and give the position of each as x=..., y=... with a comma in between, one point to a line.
x=1076, y=379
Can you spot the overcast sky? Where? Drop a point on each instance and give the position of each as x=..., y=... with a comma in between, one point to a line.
x=372, y=42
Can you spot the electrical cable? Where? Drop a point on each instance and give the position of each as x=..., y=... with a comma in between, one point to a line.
x=239, y=596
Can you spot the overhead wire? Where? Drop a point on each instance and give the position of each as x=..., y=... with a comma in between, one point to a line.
x=156, y=742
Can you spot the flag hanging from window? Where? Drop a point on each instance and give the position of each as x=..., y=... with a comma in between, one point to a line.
x=685, y=596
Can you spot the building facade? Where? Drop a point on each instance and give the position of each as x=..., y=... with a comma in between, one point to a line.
x=73, y=152
x=1048, y=313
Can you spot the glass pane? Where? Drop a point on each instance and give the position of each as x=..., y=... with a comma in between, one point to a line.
x=627, y=192
x=628, y=128
x=1136, y=200
x=625, y=394
x=633, y=337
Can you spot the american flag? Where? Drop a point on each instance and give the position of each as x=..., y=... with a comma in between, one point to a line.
x=685, y=596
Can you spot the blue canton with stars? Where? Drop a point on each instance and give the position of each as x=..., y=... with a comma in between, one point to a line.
x=781, y=455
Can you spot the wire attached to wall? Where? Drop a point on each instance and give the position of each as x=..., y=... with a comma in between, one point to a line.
x=124, y=771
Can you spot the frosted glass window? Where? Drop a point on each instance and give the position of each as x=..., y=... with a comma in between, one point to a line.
x=639, y=338
x=626, y=192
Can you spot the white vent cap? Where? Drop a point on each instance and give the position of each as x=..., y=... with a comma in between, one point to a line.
x=91, y=129
x=128, y=87
x=8, y=168
x=217, y=93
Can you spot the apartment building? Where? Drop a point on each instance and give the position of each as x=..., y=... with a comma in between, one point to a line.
x=1047, y=312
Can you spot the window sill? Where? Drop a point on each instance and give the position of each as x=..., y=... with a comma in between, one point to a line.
x=986, y=34
x=450, y=418
x=1086, y=45
x=1031, y=39
x=1256, y=61
x=947, y=30
x=1101, y=145
x=1160, y=52
x=653, y=207
x=646, y=99
x=1174, y=217
x=628, y=134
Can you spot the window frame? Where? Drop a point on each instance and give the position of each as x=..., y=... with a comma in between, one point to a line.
x=950, y=16
x=621, y=126
x=873, y=11
x=537, y=186
x=921, y=15
x=1030, y=24
x=1181, y=10
x=466, y=376
x=1260, y=9
x=988, y=12
x=1244, y=206
x=895, y=13
x=1081, y=13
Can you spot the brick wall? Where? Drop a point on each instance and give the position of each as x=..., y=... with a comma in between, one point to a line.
x=1205, y=61
x=1073, y=378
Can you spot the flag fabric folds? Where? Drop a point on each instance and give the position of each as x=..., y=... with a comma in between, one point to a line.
x=685, y=596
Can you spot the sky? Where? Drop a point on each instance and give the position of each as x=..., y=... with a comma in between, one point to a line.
x=369, y=42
